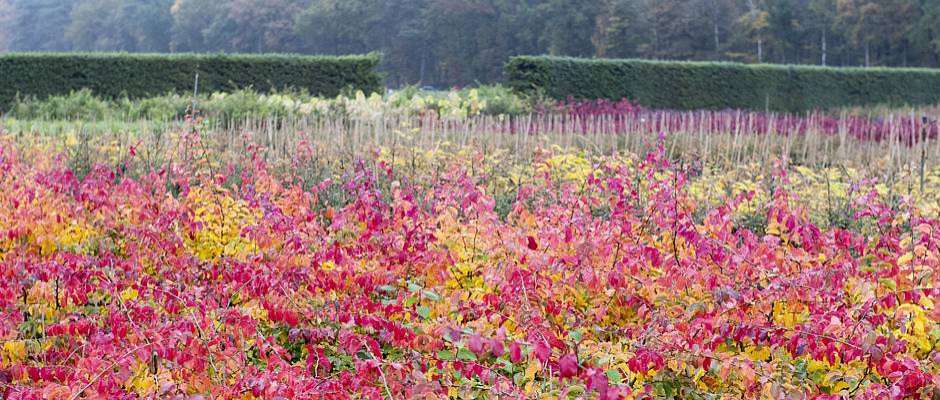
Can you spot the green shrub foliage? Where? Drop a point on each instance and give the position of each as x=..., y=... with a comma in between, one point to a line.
x=113, y=75
x=710, y=85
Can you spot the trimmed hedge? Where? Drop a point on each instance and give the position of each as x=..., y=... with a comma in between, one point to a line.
x=111, y=75
x=710, y=85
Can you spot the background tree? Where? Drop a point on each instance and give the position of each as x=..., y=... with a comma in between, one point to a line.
x=201, y=25
x=569, y=26
x=881, y=28
x=625, y=29
x=264, y=25
x=407, y=57
x=6, y=17
x=672, y=35
x=925, y=33
x=126, y=25
x=358, y=26
x=460, y=42
x=39, y=25
x=718, y=22
x=752, y=28
x=821, y=22
x=465, y=45
x=786, y=30
x=341, y=26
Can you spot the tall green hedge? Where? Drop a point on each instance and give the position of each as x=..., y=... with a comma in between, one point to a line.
x=112, y=75
x=710, y=85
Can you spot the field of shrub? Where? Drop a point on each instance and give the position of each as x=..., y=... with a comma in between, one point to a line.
x=471, y=244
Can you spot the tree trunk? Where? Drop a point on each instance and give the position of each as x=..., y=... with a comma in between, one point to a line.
x=760, y=50
x=760, y=42
x=824, y=47
x=867, y=55
x=424, y=58
x=717, y=39
x=655, y=43
x=600, y=36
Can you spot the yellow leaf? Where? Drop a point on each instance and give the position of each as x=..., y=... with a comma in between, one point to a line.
x=129, y=294
x=760, y=353
x=815, y=366
x=906, y=259
x=529, y=388
x=47, y=247
x=534, y=366
x=926, y=302
x=840, y=386
x=14, y=351
x=142, y=382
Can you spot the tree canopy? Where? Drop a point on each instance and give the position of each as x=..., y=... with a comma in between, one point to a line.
x=460, y=42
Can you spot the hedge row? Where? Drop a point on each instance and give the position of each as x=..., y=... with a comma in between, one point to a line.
x=111, y=75
x=709, y=85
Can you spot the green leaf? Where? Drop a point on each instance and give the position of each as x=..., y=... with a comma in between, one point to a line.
x=614, y=376
x=888, y=283
x=432, y=296
x=386, y=288
x=669, y=387
x=575, y=336
x=446, y=355
x=466, y=355
x=424, y=312
x=506, y=365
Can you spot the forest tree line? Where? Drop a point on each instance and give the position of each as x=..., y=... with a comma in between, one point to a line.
x=460, y=42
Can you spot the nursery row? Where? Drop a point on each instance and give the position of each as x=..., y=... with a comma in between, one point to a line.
x=515, y=114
